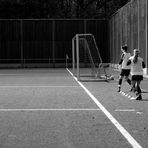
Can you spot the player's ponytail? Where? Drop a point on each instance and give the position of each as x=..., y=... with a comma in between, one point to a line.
x=136, y=52
x=135, y=59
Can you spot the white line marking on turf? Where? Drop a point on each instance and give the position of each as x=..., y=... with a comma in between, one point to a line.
x=32, y=86
x=11, y=74
x=35, y=109
x=139, y=113
x=125, y=110
x=122, y=130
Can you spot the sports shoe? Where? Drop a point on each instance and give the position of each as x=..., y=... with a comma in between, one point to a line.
x=139, y=97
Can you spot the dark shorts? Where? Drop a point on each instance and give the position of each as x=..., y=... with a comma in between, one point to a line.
x=137, y=78
x=125, y=72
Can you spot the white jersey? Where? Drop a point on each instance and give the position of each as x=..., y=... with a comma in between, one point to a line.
x=125, y=58
x=136, y=68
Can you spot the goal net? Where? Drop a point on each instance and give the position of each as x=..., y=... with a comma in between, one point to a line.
x=87, y=62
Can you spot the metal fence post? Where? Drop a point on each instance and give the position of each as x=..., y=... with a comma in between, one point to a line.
x=21, y=42
x=53, y=42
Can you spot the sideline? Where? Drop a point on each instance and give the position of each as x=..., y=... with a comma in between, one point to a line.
x=37, y=109
x=122, y=130
x=34, y=86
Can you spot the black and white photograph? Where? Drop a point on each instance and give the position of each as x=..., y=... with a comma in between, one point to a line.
x=73, y=74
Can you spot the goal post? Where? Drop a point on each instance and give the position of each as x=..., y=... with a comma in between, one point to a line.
x=86, y=59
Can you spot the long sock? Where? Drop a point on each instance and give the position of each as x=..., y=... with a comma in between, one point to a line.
x=120, y=82
x=138, y=90
x=129, y=81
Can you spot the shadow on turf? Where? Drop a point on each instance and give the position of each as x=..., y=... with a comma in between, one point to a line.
x=144, y=92
x=143, y=99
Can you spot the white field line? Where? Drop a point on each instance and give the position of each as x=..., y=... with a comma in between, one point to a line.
x=36, y=109
x=34, y=86
x=9, y=74
x=122, y=130
x=125, y=110
x=21, y=74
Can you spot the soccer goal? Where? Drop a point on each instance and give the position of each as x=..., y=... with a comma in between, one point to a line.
x=86, y=59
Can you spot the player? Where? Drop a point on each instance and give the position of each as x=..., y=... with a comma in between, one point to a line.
x=137, y=65
x=125, y=69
